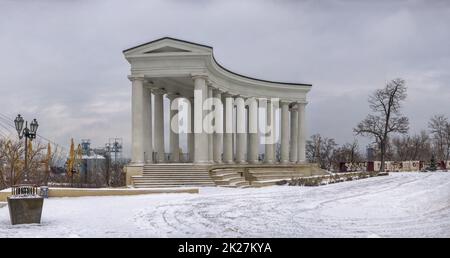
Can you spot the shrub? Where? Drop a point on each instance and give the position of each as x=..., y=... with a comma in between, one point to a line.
x=282, y=182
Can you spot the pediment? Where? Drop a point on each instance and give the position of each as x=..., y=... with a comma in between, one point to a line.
x=167, y=45
x=166, y=49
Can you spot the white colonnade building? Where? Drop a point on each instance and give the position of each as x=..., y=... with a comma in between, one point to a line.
x=228, y=119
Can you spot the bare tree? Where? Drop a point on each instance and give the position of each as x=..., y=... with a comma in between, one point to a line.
x=3, y=182
x=348, y=152
x=421, y=146
x=386, y=104
x=13, y=150
x=12, y=162
x=440, y=129
x=320, y=150
x=416, y=147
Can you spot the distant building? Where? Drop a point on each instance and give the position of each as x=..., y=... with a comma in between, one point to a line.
x=92, y=166
x=370, y=153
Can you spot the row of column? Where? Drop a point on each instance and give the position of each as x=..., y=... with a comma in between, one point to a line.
x=206, y=147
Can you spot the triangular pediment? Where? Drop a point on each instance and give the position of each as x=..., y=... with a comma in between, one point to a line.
x=166, y=49
x=167, y=45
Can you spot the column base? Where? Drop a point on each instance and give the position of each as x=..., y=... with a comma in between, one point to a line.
x=206, y=162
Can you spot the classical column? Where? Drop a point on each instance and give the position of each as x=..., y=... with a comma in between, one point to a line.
x=218, y=126
x=294, y=134
x=301, y=133
x=174, y=143
x=253, y=131
x=210, y=128
x=284, y=132
x=228, y=133
x=159, y=124
x=200, y=138
x=270, y=137
x=240, y=130
x=137, y=115
x=147, y=120
x=190, y=135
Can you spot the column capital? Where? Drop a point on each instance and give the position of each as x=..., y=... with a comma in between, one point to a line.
x=199, y=75
x=218, y=91
x=293, y=106
x=228, y=94
x=136, y=78
x=245, y=97
x=158, y=91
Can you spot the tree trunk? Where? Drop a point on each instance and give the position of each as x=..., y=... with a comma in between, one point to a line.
x=383, y=150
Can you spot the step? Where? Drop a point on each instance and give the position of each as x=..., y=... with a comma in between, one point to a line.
x=166, y=186
x=176, y=167
x=173, y=178
x=169, y=185
x=240, y=183
x=243, y=184
x=173, y=169
x=278, y=176
x=176, y=174
x=226, y=176
x=174, y=183
x=231, y=180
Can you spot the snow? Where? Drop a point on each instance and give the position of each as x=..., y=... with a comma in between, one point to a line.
x=398, y=205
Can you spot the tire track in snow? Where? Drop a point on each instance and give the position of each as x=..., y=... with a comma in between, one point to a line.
x=286, y=212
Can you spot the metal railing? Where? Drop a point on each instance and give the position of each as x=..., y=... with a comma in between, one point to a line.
x=24, y=190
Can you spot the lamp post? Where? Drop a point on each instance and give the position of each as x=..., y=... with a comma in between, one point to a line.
x=28, y=133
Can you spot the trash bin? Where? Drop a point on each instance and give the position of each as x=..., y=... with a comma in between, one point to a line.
x=25, y=205
x=43, y=191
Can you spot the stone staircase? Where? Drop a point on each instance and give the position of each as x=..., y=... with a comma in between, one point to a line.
x=173, y=175
x=229, y=177
x=236, y=176
x=269, y=175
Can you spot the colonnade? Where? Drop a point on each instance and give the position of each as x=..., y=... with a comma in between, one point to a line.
x=223, y=126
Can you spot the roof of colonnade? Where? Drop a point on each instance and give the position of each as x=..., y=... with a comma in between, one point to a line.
x=167, y=47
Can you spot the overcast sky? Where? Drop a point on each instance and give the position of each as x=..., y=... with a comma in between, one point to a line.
x=62, y=61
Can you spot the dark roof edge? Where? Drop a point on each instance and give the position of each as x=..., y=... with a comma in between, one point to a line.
x=201, y=45
x=156, y=40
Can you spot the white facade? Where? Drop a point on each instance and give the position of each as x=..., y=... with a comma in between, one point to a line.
x=177, y=70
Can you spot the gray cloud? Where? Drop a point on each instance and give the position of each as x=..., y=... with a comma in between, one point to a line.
x=62, y=61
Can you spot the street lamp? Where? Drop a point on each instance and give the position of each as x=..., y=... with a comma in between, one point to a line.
x=28, y=134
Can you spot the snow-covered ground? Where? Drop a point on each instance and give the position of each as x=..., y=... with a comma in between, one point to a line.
x=398, y=205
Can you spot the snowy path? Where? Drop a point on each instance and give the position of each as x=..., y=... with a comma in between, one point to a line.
x=399, y=205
